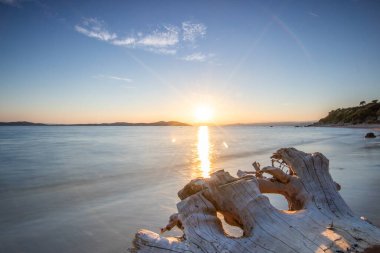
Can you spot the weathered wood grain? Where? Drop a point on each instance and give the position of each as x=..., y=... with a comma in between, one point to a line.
x=318, y=219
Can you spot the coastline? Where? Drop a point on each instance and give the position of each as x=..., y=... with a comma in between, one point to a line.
x=375, y=127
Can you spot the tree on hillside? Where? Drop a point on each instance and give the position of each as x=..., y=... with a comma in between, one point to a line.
x=362, y=103
x=374, y=101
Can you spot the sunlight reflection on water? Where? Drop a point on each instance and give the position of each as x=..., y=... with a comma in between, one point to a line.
x=204, y=151
x=109, y=182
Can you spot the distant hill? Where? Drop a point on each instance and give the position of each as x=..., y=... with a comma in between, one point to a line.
x=21, y=123
x=159, y=123
x=363, y=114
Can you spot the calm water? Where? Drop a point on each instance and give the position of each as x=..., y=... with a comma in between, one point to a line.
x=88, y=189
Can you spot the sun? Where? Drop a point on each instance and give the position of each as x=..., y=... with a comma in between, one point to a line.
x=203, y=113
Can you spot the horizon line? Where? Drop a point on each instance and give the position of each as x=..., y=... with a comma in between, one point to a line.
x=160, y=121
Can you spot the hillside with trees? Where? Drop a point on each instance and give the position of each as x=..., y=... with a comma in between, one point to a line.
x=365, y=113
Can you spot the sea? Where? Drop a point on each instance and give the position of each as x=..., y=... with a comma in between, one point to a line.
x=91, y=188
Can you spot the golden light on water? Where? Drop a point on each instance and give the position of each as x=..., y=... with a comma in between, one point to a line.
x=204, y=151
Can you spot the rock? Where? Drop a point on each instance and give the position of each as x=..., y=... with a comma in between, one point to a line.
x=370, y=135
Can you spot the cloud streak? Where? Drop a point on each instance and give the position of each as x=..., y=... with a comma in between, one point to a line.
x=94, y=28
x=117, y=78
x=161, y=41
x=313, y=14
x=197, y=57
x=14, y=3
x=166, y=37
x=165, y=40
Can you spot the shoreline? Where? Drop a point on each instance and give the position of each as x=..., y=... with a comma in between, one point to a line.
x=375, y=127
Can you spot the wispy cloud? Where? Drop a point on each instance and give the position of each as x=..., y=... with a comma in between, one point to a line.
x=197, y=57
x=124, y=42
x=313, y=14
x=166, y=39
x=192, y=31
x=14, y=3
x=164, y=51
x=163, y=40
x=94, y=28
x=124, y=79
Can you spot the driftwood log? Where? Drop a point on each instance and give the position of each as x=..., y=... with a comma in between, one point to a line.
x=318, y=219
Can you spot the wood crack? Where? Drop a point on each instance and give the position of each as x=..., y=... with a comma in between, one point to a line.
x=320, y=220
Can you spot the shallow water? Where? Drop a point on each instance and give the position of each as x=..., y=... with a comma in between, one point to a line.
x=88, y=189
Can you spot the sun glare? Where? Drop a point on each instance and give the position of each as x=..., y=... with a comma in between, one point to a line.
x=203, y=113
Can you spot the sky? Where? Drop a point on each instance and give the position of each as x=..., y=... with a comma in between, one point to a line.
x=146, y=61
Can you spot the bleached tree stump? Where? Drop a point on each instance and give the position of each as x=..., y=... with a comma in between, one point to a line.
x=318, y=219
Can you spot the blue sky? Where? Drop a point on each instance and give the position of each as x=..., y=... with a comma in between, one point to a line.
x=251, y=61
